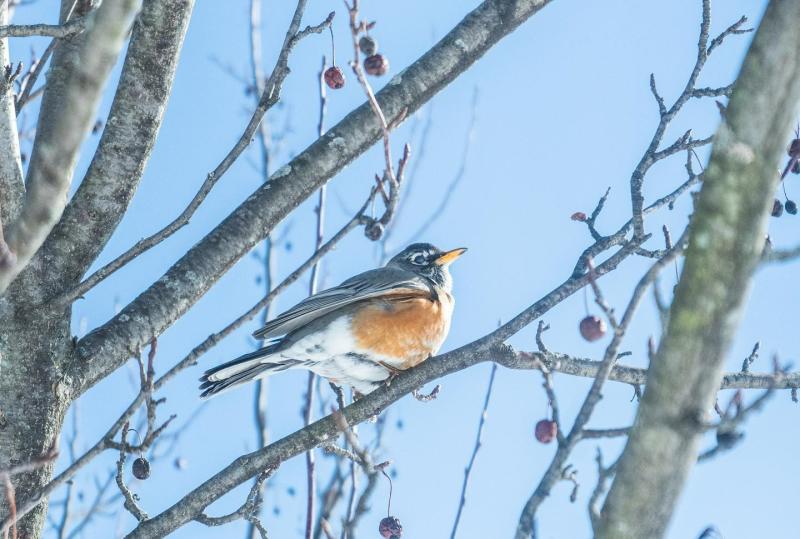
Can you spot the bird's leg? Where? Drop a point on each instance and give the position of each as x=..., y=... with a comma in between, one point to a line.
x=393, y=373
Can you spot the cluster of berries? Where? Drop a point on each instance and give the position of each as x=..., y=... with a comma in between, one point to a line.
x=375, y=64
x=794, y=166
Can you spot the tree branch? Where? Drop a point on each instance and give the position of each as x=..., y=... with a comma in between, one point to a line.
x=128, y=138
x=12, y=190
x=67, y=29
x=103, y=350
x=270, y=96
x=67, y=114
x=487, y=348
x=725, y=245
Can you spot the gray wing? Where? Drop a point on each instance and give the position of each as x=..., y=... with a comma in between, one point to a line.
x=370, y=284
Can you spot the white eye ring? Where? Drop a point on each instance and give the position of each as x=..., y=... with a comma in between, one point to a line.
x=418, y=260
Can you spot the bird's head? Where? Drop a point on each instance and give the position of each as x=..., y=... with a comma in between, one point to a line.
x=428, y=261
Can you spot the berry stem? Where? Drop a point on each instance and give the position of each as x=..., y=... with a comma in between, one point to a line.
x=388, y=505
x=333, y=47
x=585, y=301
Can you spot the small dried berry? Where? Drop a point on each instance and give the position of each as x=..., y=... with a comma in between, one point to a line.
x=141, y=468
x=373, y=231
x=390, y=528
x=545, y=431
x=368, y=45
x=777, y=208
x=794, y=148
x=728, y=438
x=376, y=65
x=578, y=216
x=334, y=78
x=791, y=207
x=592, y=328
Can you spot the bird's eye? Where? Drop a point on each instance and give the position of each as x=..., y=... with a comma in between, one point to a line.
x=418, y=260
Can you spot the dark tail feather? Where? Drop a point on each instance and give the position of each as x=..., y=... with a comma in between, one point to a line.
x=241, y=370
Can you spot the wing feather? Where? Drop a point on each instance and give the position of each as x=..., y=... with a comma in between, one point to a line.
x=368, y=285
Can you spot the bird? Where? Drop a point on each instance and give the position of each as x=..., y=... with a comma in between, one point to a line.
x=359, y=334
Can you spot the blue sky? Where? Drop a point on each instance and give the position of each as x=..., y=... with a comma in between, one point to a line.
x=564, y=111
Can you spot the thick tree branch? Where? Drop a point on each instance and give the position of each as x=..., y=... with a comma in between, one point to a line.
x=67, y=114
x=726, y=242
x=12, y=190
x=128, y=138
x=269, y=97
x=103, y=350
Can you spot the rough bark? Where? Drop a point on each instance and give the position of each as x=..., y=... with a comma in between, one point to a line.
x=69, y=104
x=34, y=397
x=128, y=138
x=106, y=348
x=35, y=392
x=726, y=243
x=11, y=187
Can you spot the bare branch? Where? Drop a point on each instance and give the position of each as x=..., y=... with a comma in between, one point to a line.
x=131, y=500
x=604, y=475
x=652, y=154
x=59, y=139
x=450, y=190
x=468, y=470
x=155, y=309
x=129, y=135
x=553, y=472
x=12, y=190
x=67, y=29
x=248, y=510
x=736, y=194
x=270, y=96
x=489, y=347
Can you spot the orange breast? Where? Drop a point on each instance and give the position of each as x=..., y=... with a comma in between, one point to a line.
x=408, y=330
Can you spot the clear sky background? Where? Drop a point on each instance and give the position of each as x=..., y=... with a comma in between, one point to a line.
x=564, y=111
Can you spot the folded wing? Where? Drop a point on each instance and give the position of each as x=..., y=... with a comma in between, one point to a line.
x=368, y=285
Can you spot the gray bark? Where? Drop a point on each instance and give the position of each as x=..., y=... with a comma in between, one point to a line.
x=726, y=243
x=124, y=150
x=11, y=186
x=35, y=390
x=79, y=73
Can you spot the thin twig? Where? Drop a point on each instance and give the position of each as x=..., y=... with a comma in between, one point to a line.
x=26, y=93
x=450, y=190
x=666, y=115
x=60, y=31
x=468, y=470
x=11, y=499
x=553, y=473
x=131, y=500
x=269, y=97
x=311, y=494
x=604, y=475
x=248, y=510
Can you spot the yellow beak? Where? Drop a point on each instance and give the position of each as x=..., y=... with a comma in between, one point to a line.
x=448, y=257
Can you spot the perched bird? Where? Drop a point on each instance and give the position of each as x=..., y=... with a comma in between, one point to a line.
x=359, y=333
